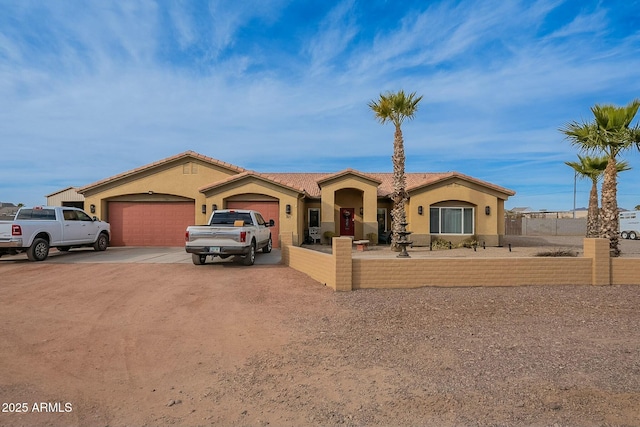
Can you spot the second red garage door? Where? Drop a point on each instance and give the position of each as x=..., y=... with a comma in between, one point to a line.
x=268, y=210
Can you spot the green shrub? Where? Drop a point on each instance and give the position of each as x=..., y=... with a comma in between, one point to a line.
x=372, y=238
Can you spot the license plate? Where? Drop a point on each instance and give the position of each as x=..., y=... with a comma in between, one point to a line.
x=214, y=249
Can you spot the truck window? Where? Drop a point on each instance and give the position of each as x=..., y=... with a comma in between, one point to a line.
x=83, y=216
x=228, y=218
x=260, y=219
x=37, y=214
x=69, y=215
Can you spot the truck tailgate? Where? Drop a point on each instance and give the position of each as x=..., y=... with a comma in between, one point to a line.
x=213, y=235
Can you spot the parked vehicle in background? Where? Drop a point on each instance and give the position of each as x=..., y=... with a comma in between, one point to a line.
x=629, y=225
x=230, y=232
x=35, y=230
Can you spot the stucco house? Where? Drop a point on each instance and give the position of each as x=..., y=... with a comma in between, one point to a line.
x=153, y=204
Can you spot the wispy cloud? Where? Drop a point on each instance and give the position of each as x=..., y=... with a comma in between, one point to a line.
x=111, y=86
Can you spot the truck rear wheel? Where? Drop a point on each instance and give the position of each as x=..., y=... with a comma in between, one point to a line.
x=250, y=258
x=633, y=235
x=624, y=235
x=39, y=250
x=198, y=259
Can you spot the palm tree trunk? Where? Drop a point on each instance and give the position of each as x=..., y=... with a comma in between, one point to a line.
x=399, y=195
x=609, y=220
x=593, y=215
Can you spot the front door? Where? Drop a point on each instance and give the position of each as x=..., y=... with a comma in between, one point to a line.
x=347, y=221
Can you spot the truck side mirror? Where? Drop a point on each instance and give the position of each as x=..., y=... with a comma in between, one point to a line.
x=271, y=223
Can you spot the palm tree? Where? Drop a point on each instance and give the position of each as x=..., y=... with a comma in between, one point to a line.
x=593, y=168
x=395, y=108
x=610, y=132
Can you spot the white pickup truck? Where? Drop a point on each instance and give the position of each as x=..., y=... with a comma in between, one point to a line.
x=35, y=230
x=229, y=232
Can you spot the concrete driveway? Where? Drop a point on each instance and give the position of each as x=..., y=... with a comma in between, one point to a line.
x=144, y=255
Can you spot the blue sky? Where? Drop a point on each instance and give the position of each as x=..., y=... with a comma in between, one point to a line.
x=93, y=89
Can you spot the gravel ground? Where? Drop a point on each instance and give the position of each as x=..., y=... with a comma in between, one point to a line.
x=222, y=345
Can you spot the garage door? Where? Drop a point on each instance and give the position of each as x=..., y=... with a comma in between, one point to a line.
x=150, y=223
x=268, y=210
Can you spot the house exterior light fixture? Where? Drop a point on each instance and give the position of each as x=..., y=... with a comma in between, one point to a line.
x=419, y=210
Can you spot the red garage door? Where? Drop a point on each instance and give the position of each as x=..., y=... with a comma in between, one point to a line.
x=268, y=210
x=150, y=223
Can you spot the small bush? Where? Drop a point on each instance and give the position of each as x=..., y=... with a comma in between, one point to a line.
x=439, y=243
x=470, y=242
x=372, y=238
x=329, y=235
x=557, y=252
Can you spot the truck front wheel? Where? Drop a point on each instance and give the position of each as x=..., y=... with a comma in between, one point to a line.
x=250, y=258
x=267, y=248
x=101, y=243
x=39, y=250
x=198, y=259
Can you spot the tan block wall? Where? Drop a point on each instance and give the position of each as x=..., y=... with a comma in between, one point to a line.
x=598, y=251
x=341, y=272
x=625, y=271
x=413, y=273
x=317, y=265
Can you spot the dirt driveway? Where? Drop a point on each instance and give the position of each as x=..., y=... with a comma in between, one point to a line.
x=177, y=344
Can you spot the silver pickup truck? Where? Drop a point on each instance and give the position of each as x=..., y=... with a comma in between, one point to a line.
x=230, y=232
x=35, y=230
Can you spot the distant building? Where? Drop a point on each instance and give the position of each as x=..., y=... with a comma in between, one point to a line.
x=66, y=197
x=7, y=211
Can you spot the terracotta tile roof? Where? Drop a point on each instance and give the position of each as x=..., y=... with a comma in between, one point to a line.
x=309, y=181
x=184, y=155
x=267, y=177
x=305, y=183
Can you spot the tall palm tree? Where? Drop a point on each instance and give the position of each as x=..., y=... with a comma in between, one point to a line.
x=395, y=108
x=610, y=132
x=593, y=168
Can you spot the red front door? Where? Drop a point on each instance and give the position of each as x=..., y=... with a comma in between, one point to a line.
x=347, y=221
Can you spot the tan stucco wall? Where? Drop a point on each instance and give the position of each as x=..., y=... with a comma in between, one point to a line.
x=171, y=182
x=288, y=223
x=488, y=228
x=349, y=191
x=164, y=181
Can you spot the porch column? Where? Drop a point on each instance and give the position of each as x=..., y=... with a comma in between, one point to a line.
x=327, y=218
x=370, y=217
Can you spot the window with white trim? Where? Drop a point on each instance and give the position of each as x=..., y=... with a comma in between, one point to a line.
x=451, y=220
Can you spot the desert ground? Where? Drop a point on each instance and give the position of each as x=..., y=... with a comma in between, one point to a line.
x=153, y=344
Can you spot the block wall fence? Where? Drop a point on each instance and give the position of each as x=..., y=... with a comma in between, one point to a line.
x=343, y=273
